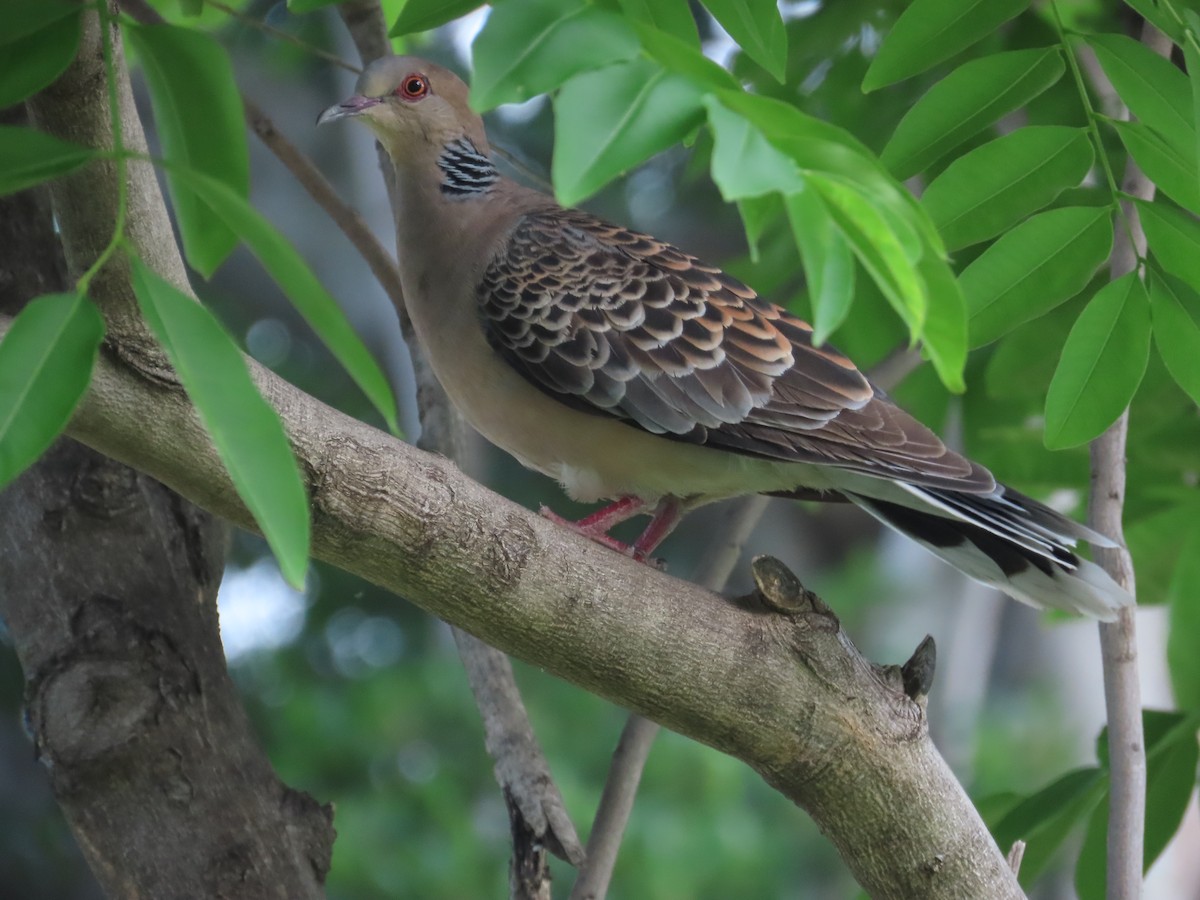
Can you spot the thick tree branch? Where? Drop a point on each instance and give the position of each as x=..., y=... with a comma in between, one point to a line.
x=786, y=693
x=108, y=585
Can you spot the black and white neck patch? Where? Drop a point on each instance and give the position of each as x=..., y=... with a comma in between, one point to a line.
x=465, y=171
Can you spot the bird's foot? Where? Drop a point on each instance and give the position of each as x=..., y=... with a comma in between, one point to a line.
x=589, y=530
x=595, y=526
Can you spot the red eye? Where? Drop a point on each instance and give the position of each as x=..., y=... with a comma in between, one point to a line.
x=413, y=87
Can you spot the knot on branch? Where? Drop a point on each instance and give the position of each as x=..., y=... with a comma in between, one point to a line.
x=915, y=677
x=311, y=823
x=108, y=689
x=779, y=590
x=917, y=673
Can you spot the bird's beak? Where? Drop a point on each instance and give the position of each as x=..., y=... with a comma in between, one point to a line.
x=352, y=106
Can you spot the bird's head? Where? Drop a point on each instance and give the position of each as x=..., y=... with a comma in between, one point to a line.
x=411, y=104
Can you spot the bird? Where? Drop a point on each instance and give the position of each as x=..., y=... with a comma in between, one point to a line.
x=633, y=372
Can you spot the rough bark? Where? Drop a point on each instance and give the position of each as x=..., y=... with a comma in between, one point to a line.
x=779, y=686
x=108, y=585
x=786, y=693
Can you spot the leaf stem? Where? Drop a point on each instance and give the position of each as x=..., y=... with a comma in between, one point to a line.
x=1092, y=119
x=1188, y=32
x=281, y=35
x=118, y=146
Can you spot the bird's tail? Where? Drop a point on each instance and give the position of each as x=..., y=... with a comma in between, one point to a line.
x=1009, y=541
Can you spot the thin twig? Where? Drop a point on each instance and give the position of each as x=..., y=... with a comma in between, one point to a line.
x=1118, y=640
x=368, y=28
x=521, y=768
x=894, y=368
x=352, y=225
x=1015, y=854
x=279, y=34
x=616, y=804
x=629, y=759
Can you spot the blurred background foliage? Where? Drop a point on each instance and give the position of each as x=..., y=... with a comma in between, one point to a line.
x=359, y=697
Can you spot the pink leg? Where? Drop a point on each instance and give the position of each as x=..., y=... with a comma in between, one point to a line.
x=666, y=516
x=597, y=525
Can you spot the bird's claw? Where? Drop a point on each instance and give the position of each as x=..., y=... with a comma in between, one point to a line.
x=595, y=532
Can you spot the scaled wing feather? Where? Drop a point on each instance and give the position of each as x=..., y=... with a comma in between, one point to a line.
x=618, y=323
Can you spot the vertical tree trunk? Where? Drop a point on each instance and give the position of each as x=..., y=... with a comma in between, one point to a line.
x=108, y=584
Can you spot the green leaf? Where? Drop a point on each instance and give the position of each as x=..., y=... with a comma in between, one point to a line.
x=199, y=115
x=23, y=18
x=991, y=188
x=931, y=31
x=1150, y=85
x=1153, y=12
x=1025, y=359
x=1184, y=599
x=1191, y=58
x=292, y=274
x=245, y=429
x=1171, y=757
x=1172, y=171
x=300, y=7
x=1033, y=268
x=684, y=59
x=37, y=60
x=818, y=147
x=609, y=120
x=965, y=102
x=1170, y=779
x=1044, y=819
x=744, y=162
x=1175, y=313
x=529, y=47
x=945, y=334
x=1155, y=542
x=46, y=363
x=758, y=29
x=29, y=157
x=1102, y=364
x=1174, y=238
x=764, y=145
x=758, y=213
x=191, y=8
x=425, y=15
x=877, y=247
x=827, y=260
x=673, y=17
